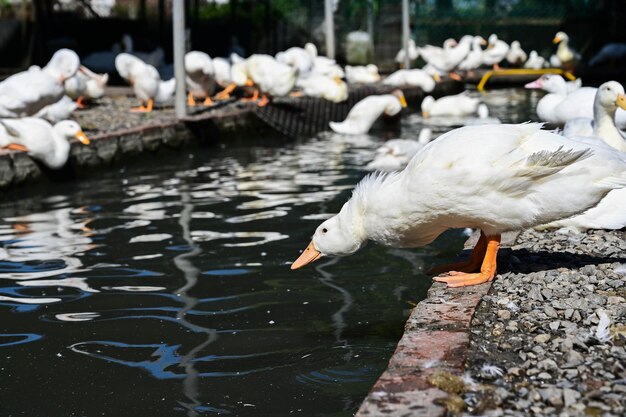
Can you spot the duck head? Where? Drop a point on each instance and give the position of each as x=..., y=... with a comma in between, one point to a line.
x=552, y=83
x=560, y=37
x=63, y=65
x=334, y=237
x=400, y=96
x=610, y=95
x=69, y=129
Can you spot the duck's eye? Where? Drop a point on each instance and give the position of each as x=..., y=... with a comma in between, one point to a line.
x=324, y=230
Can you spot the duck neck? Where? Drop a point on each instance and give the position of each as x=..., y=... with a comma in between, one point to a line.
x=604, y=126
x=60, y=152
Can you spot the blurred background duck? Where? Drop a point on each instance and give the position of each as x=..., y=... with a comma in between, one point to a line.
x=58, y=111
x=43, y=141
x=329, y=88
x=86, y=85
x=268, y=76
x=364, y=113
x=200, y=77
x=145, y=81
x=566, y=55
x=425, y=79
x=496, y=51
x=362, y=74
x=395, y=154
x=454, y=105
x=516, y=56
x=27, y=92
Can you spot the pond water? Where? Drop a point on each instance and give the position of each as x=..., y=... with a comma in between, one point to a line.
x=163, y=288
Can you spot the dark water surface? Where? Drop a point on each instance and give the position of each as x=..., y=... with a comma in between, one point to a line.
x=164, y=289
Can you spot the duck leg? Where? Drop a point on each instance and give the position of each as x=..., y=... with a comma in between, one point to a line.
x=208, y=101
x=16, y=147
x=190, y=100
x=80, y=102
x=264, y=101
x=255, y=96
x=225, y=93
x=487, y=269
x=142, y=108
x=471, y=265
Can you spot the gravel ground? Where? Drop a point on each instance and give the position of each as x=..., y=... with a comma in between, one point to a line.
x=538, y=345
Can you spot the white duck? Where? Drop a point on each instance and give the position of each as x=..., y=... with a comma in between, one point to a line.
x=496, y=51
x=516, y=55
x=86, y=84
x=58, y=111
x=271, y=77
x=145, y=80
x=27, y=92
x=564, y=53
x=447, y=58
x=44, y=142
x=562, y=104
x=332, y=89
x=300, y=58
x=474, y=59
x=496, y=178
x=362, y=74
x=200, y=77
x=395, y=154
x=424, y=79
x=413, y=53
x=609, y=213
x=535, y=61
x=364, y=113
x=609, y=97
x=454, y=105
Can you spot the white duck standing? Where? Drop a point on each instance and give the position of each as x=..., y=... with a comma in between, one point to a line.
x=495, y=178
x=272, y=78
x=424, y=79
x=145, y=80
x=413, y=53
x=496, y=51
x=454, y=105
x=516, y=56
x=395, y=154
x=86, y=84
x=364, y=113
x=474, y=58
x=200, y=77
x=564, y=52
x=27, y=92
x=44, y=142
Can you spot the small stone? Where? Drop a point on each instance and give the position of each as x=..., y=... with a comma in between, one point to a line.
x=550, y=311
x=544, y=375
x=615, y=300
x=552, y=396
x=542, y=338
x=570, y=396
x=516, y=371
x=547, y=365
x=504, y=314
x=554, y=325
x=573, y=359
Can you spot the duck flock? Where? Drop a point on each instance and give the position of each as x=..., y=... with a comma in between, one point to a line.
x=486, y=175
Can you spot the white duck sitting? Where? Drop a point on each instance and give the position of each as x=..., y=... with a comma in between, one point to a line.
x=86, y=84
x=395, y=154
x=564, y=52
x=364, y=113
x=496, y=51
x=454, y=105
x=272, y=78
x=332, y=89
x=200, y=77
x=424, y=79
x=535, y=61
x=58, y=111
x=413, y=53
x=609, y=97
x=300, y=58
x=495, y=178
x=44, y=142
x=483, y=117
x=27, y=92
x=516, y=55
x=362, y=74
x=450, y=56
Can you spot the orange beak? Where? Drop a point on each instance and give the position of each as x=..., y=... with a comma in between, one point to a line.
x=249, y=82
x=402, y=101
x=556, y=39
x=621, y=101
x=309, y=255
x=80, y=135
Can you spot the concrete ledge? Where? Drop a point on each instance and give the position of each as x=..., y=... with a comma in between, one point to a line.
x=435, y=341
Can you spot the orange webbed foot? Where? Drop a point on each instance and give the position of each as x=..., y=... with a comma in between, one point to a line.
x=456, y=279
